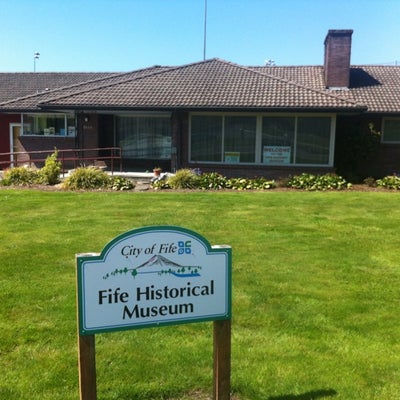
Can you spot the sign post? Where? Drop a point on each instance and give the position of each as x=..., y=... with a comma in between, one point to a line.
x=154, y=276
x=222, y=360
x=87, y=367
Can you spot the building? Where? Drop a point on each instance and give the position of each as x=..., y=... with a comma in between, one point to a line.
x=218, y=116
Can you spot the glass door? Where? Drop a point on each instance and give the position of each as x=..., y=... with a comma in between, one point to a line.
x=16, y=145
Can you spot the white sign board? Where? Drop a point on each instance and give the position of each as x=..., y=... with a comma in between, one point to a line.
x=232, y=156
x=153, y=276
x=276, y=154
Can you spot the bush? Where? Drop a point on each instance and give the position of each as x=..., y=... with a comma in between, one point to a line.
x=92, y=178
x=250, y=184
x=50, y=173
x=19, y=176
x=183, y=179
x=189, y=179
x=391, y=182
x=212, y=180
x=84, y=178
x=24, y=176
x=370, y=181
x=160, y=184
x=120, y=183
x=318, y=182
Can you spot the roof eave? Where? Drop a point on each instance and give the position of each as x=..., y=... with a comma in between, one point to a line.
x=191, y=108
x=19, y=110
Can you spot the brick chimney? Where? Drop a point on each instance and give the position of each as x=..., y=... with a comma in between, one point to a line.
x=337, y=58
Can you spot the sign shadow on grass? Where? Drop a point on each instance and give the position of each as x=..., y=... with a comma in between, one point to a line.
x=313, y=395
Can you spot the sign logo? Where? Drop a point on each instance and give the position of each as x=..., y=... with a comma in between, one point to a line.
x=185, y=247
x=153, y=276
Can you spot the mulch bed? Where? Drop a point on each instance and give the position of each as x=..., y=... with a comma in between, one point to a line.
x=145, y=186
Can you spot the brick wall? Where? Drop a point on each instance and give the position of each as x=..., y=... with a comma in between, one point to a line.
x=337, y=58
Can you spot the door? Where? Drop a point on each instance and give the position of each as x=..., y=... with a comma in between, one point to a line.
x=16, y=146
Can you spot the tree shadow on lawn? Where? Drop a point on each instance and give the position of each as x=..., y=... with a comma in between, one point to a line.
x=315, y=394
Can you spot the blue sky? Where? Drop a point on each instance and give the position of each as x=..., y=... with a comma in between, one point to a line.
x=123, y=35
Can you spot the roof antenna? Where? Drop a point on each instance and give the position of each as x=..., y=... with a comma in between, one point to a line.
x=205, y=30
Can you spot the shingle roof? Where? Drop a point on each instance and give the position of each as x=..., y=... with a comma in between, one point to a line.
x=376, y=86
x=19, y=84
x=214, y=84
x=31, y=101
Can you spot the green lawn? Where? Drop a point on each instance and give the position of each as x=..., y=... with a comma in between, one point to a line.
x=316, y=288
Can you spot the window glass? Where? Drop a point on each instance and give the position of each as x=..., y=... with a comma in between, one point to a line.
x=49, y=124
x=240, y=139
x=391, y=132
x=313, y=140
x=206, y=138
x=144, y=137
x=154, y=136
x=127, y=138
x=278, y=140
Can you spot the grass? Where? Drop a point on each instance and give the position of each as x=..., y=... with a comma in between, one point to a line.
x=316, y=281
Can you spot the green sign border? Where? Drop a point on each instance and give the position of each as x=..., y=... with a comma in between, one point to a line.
x=82, y=259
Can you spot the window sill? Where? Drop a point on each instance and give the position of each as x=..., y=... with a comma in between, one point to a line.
x=47, y=136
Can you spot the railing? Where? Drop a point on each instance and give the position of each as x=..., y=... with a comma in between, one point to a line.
x=69, y=158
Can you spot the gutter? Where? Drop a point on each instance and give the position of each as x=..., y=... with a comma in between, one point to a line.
x=87, y=108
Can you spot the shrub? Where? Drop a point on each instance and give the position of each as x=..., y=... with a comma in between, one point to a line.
x=318, y=182
x=50, y=173
x=183, y=179
x=190, y=179
x=370, y=181
x=92, y=178
x=121, y=183
x=212, y=180
x=19, y=176
x=160, y=184
x=87, y=178
x=250, y=184
x=389, y=182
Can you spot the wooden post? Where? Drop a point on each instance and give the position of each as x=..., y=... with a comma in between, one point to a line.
x=87, y=367
x=222, y=360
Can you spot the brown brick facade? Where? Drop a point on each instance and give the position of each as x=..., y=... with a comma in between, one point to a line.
x=337, y=58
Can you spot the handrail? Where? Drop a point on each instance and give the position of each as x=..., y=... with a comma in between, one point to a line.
x=76, y=157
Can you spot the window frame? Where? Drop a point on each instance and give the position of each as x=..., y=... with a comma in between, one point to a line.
x=66, y=116
x=383, y=130
x=258, y=139
x=138, y=115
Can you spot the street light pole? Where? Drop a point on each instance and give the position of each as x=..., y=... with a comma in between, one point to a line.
x=205, y=30
x=35, y=57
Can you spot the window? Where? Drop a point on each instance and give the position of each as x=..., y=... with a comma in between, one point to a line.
x=229, y=139
x=274, y=140
x=313, y=138
x=391, y=130
x=278, y=140
x=49, y=124
x=144, y=137
x=206, y=139
x=240, y=139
